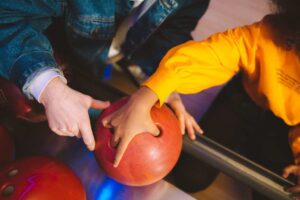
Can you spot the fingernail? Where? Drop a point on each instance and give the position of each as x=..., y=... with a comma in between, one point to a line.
x=91, y=147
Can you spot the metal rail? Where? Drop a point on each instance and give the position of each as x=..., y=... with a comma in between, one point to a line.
x=239, y=167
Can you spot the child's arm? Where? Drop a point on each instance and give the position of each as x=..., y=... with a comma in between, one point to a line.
x=187, y=68
x=131, y=119
x=294, y=140
x=134, y=118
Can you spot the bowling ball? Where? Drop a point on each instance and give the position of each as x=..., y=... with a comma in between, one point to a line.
x=39, y=178
x=14, y=103
x=147, y=158
x=6, y=146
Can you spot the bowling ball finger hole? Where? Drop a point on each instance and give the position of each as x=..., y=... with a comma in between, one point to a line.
x=112, y=130
x=113, y=144
x=12, y=172
x=8, y=190
x=160, y=129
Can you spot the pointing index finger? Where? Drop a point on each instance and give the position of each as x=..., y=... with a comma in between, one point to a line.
x=121, y=149
x=87, y=134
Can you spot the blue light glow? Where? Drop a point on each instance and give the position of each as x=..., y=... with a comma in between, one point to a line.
x=109, y=190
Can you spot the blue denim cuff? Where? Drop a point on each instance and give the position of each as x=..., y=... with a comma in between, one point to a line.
x=31, y=78
x=28, y=65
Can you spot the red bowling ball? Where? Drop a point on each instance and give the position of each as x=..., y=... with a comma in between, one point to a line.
x=147, y=158
x=39, y=178
x=6, y=146
x=14, y=103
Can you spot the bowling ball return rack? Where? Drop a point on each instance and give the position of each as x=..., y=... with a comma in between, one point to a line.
x=238, y=167
x=39, y=140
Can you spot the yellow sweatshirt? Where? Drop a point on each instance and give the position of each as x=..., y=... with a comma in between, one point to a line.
x=271, y=75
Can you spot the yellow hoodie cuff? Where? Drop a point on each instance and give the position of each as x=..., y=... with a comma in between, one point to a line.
x=163, y=83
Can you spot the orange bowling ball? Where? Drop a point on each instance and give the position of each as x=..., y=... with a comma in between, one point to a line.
x=39, y=178
x=147, y=158
x=6, y=146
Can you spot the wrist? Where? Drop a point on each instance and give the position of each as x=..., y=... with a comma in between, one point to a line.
x=144, y=98
x=38, y=81
x=54, y=88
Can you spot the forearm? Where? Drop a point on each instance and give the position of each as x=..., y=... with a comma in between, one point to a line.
x=26, y=50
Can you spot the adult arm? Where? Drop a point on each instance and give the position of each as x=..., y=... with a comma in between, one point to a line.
x=175, y=30
x=26, y=53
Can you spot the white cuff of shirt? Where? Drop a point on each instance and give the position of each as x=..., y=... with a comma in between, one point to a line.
x=40, y=82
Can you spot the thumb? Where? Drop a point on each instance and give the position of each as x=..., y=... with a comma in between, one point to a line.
x=97, y=104
x=289, y=170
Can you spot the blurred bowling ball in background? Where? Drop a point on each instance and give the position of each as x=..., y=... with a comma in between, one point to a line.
x=13, y=103
x=39, y=178
x=147, y=158
x=6, y=146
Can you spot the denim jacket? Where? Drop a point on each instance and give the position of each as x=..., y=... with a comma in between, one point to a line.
x=90, y=26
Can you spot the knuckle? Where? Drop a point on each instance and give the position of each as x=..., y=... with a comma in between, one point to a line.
x=188, y=123
x=113, y=123
x=63, y=130
x=181, y=117
x=88, y=98
x=189, y=117
x=73, y=129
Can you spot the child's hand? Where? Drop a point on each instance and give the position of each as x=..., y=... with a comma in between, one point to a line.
x=293, y=169
x=131, y=119
x=185, y=119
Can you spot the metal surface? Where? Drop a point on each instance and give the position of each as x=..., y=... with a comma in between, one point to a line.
x=37, y=139
x=239, y=167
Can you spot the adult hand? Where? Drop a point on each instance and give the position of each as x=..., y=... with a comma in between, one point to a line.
x=67, y=111
x=186, y=120
x=131, y=119
x=293, y=169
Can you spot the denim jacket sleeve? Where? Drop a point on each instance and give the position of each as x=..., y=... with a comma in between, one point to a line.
x=24, y=50
x=176, y=29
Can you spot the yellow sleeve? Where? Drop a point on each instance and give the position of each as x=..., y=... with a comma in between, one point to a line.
x=197, y=65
